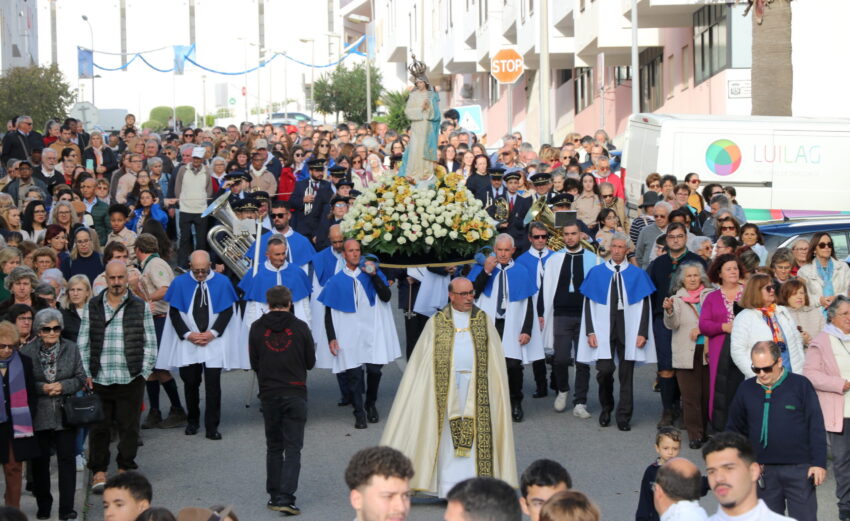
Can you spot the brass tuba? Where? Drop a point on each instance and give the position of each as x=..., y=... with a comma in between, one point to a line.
x=540, y=212
x=501, y=210
x=238, y=235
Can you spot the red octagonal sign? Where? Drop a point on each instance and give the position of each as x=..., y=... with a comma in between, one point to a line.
x=507, y=66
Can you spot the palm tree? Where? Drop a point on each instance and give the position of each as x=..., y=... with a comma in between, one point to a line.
x=772, y=70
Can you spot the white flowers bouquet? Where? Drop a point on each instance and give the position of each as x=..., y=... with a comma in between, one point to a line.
x=443, y=222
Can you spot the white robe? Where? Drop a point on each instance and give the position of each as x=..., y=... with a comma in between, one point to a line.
x=551, y=275
x=601, y=317
x=226, y=351
x=433, y=291
x=254, y=310
x=324, y=358
x=514, y=317
x=367, y=336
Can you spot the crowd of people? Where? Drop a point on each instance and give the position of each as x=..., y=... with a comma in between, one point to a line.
x=110, y=284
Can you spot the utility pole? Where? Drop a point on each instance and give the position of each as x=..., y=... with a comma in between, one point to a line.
x=122, y=13
x=545, y=128
x=635, y=63
x=53, y=45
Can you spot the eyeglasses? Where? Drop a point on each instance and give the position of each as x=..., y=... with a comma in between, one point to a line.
x=765, y=370
x=544, y=236
x=769, y=288
x=464, y=293
x=323, y=145
x=278, y=215
x=6, y=346
x=608, y=196
x=694, y=181
x=727, y=228
x=824, y=245
x=340, y=205
x=53, y=329
x=298, y=154
x=201, y=271
x=655, y=185
x=188, y=134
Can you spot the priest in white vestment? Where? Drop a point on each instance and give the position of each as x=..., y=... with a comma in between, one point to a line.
x=451, y=413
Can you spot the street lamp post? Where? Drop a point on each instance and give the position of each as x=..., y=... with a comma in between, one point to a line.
x=91, y=33
x=365, y=21
x=312, y=74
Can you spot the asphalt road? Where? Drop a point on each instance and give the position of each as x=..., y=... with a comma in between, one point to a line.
x=192, y=471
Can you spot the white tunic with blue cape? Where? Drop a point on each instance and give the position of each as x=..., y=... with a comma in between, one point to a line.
x=554, y=264
x=226, y=351
x=267, y=277
x=597, y=288
x=521, y=286
x=363, y=324
x=326, y=264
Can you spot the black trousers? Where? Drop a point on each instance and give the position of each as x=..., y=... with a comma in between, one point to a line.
x=840, y=443
x=358, y=383
x=284, y=418
x=186, y=221
x=64, y=442
x=566, y=331
x=413, y=327
x=789, y=485
x=514, y=367
x=192, y=375
x=122, y=406
x=605, y=379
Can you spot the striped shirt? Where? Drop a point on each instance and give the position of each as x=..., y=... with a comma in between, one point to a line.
x=113, y=364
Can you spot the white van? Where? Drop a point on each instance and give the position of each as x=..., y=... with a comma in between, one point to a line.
x=775, y=163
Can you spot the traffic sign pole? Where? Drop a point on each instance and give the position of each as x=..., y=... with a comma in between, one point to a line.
x=507, y=66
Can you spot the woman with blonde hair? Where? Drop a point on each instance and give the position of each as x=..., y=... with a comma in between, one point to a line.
x=64, y=215
x=10, y=258
x=73, y=303
x=85, y=256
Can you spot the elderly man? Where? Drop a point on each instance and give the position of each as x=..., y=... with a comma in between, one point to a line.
x=117, y=343
x=20, y=142
x=25, y=180
x=646, y=240
x=780, y=414
x=201, y=338
x=615, y=329
x=678, y=487
x=48, y=173
x=192, y=187
x=453, y=339
x=152, y=151
x=507, y=291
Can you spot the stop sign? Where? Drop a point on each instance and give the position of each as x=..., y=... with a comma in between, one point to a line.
x=507, y=66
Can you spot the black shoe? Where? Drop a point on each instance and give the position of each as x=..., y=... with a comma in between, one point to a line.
x=372, y=413
x=695, y=444
x=666, y=419
x=605, y=418
x=213, y=435
x=191, y=429
x=290, y=509
x=69, y=515
x=624, y=426
x=541, y=392
x=43, y=514
x=516, y=412
x=360, y=421
x=286, y=507
x=343, y=402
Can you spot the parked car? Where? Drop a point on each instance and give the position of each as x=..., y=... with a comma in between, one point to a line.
x=783, y=233
x=290, y=118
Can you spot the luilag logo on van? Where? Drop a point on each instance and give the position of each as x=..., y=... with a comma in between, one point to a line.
x=723, y=157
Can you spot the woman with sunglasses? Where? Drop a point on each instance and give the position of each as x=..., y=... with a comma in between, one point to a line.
x=17, y=442
x=322, y=151
x=825, y=276
x=361, y=177
x=57, y=374
x=763, y=320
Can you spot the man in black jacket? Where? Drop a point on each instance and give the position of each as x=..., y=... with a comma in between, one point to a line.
x=281, y=352
x=19, y=143
x=309, y=199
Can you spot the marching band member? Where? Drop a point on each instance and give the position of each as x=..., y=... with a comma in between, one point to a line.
x=309, y=199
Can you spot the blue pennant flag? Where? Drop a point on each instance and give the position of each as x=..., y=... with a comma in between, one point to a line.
x=181, y=52
x=85, y=63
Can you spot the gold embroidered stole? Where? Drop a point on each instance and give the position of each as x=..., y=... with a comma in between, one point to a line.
x=465, y=430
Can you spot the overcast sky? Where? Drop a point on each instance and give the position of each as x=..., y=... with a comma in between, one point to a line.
x=225, y=32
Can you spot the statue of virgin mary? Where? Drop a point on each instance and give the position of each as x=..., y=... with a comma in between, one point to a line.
x=423, y=111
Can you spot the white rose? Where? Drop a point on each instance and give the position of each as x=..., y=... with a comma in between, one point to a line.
x=429, y=241
x=367, y=227
x=402, y=240
x=452, y=235
x=367, y=239
x=388, y=236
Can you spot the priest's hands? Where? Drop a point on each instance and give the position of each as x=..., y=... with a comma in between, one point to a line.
x=524, y=339
x=334, y=346
x=591, y=340
x=641, y=341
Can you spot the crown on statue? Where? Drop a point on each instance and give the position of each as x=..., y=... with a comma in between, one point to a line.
x=416, y=68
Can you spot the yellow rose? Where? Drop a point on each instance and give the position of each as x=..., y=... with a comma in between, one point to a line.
x=361, y=235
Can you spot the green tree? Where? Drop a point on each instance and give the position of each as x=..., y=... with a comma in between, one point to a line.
x=343, y=91
x=39, y=92
x=396, y=101
x=161, y=114
x=186, y=114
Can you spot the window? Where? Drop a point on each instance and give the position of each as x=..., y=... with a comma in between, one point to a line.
x=711, y=41
x=622, y=74
x=563, y=76
x=651, y=79
x=686, y=67
x=583, y=88
x=495, y=90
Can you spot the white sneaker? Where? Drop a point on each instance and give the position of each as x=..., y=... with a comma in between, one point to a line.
x=580, y=411
x=81, y=463
x=561, y=401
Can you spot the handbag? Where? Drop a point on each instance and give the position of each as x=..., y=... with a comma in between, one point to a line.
x=83, y=410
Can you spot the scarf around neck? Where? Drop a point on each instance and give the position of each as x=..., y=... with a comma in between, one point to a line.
x=830, y=329
x=825, y=274
x=693, y=296
x=18, y=399
x=768, y=393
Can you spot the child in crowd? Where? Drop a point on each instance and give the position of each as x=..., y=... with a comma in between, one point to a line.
x=668, y=443
x=125, y=496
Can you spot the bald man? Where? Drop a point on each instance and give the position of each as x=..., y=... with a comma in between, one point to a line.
x=201, y=338
x=678, y=487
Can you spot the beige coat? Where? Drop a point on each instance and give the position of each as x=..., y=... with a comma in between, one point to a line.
x=587, y=208
x=810, y=318
x=682, y=319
